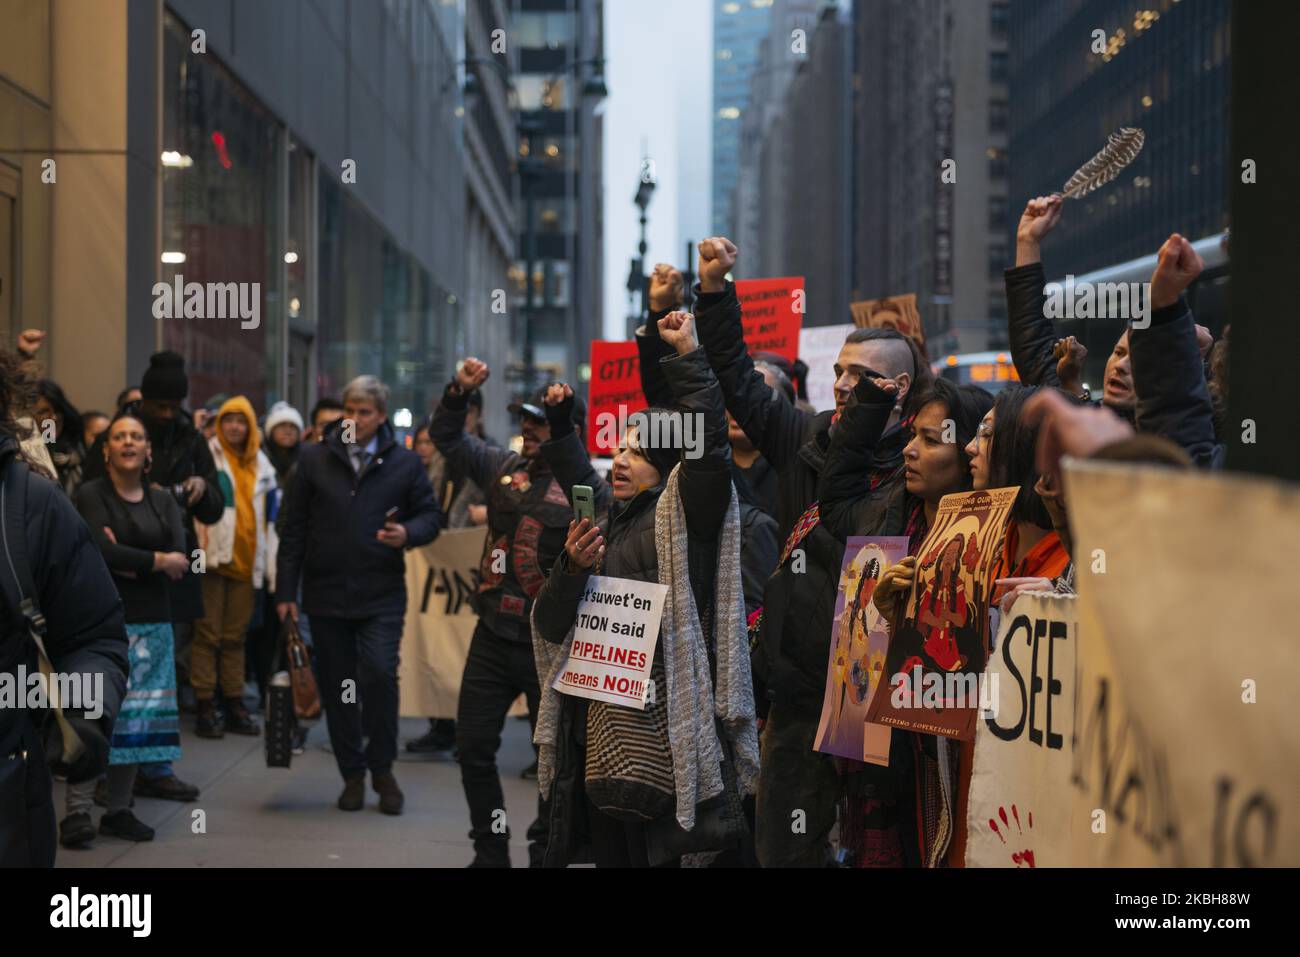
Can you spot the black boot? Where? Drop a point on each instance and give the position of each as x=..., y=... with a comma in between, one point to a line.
x=491, y=852
x=238, y=720
x=208, y=723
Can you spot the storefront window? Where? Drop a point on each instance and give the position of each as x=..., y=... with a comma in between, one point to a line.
x=221, y=223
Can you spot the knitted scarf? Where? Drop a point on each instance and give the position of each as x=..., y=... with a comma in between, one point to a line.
x=696, y=707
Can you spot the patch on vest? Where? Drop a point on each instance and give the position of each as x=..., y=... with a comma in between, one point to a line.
x=512, y=605
x=527, y=569
x=488, y=579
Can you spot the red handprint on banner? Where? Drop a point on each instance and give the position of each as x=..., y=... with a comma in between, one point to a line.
x=1023, y=858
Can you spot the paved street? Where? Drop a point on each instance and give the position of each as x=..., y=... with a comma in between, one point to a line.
x=274, y=817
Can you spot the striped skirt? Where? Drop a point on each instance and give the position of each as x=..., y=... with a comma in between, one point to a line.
x=148, y=727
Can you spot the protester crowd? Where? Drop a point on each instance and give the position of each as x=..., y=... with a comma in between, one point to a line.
x=217, y=526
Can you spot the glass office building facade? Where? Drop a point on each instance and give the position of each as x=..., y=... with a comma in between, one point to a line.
x=1164, y=68
x=739, y=27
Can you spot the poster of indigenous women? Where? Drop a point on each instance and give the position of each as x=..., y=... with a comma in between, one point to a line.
x=859, y=639
x=938, y=651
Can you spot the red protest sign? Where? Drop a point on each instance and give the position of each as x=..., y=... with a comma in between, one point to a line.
x=615, y=383
x=771, y=311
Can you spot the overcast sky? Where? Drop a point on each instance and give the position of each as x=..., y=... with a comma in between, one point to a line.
x=662, y=100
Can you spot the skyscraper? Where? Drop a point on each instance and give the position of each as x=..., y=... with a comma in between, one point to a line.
x=559, y=84
x=1163, y=67
x=739, y=26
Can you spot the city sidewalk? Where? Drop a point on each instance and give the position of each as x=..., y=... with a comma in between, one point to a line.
x=286, y=817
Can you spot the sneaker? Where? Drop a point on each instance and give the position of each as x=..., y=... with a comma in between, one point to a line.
x=529, y=773
x=353, y=797
x=391, y=798
x=208, y=724
x=170, y=788
x=299, y=740
x=101, y=794
x=125, y=825
x=238, y=720
x=76, y=830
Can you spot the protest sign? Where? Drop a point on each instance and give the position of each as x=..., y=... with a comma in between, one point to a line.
x=1188, y=753
x=771, y=310
x=857, y=659
x=892, y=312
x=440, y=578
x=938, y=651
x=1020, y=792
x=615, y=383
x=614, y=639
x=1179, y=749
x=819, y=348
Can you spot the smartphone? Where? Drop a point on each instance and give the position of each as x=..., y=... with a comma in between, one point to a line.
x=584, y=504
x=390, y=515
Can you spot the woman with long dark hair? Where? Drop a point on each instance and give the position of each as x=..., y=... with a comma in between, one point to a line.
x=1002, y=456
x=880, y=807
x=139, y=532
x=57, y=419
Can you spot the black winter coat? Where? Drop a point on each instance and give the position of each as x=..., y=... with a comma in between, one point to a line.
x=705, y=488
x=85, y=633
x=799, y=603
x=179, y=451
x=756, y=487
x=331, y=516
x=1173, y=399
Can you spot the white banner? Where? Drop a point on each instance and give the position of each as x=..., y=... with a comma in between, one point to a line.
x=614, y=641
x=440, y=579
x=1156, y=731
x=819, y=348
x=1020, y=794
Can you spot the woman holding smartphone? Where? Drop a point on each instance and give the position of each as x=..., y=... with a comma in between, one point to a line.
x=660, y=786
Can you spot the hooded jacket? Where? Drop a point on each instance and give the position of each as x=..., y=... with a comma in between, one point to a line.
x=331, y=516
x=247, y=483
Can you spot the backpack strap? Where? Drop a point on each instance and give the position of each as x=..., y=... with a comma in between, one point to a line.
x=20, y=588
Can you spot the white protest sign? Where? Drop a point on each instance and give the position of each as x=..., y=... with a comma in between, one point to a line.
x=819, y=348
x=614, y=639
x=1020, y=791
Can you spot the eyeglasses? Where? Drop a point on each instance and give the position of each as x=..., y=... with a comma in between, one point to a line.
x=984, y=433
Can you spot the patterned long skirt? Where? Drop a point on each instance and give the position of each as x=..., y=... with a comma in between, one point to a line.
x=148, y=726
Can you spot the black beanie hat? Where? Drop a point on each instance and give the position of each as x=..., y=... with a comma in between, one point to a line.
x=165, y=377
x=663, y=459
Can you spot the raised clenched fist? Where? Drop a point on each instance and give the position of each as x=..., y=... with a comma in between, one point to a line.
x=1039, y=218
x=471, y=374
x=717, y=256
x=1178, y=266
x=678, y=330
x=665, y=288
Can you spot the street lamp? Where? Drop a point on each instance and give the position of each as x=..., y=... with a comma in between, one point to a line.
x=645, y=189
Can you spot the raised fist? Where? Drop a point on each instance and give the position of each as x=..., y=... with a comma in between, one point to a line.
x=1178, y=266
x=665, y=288
x=1039, y=218
x=557, y=392
x=678, y=330
x=717, y=256
x=471, y=374
x=1069, y=354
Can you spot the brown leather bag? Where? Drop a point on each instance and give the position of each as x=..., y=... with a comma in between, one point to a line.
x=306, y=696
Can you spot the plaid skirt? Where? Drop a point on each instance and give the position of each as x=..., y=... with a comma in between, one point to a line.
x=148, y=726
